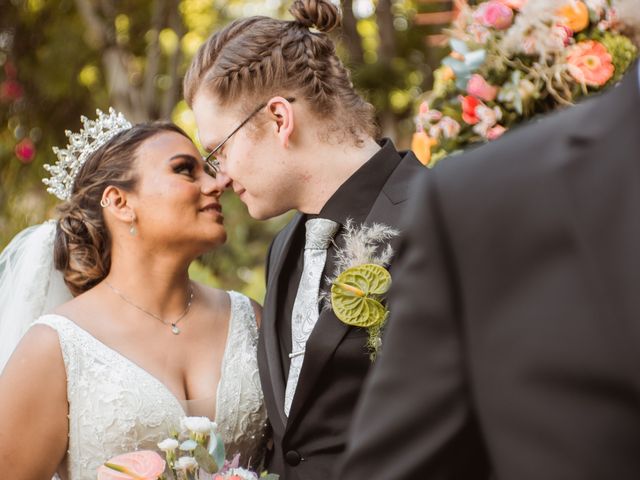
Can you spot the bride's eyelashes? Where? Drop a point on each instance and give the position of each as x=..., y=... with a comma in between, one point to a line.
x=184, y=169
x=184, y=165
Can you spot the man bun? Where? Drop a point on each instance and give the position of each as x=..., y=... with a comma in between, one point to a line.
x=319, y=14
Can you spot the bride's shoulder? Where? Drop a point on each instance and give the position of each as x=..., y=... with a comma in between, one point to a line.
x=228, y=301
x=39, y=351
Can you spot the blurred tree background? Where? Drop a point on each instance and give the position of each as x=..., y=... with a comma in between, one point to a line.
x=61, y=59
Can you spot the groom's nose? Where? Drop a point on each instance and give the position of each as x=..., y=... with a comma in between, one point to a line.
x=223, y=179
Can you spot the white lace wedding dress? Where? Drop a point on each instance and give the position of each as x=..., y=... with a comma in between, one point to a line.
x=115, y=406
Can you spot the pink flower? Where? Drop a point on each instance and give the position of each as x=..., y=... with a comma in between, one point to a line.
x=142, y=465
x=562, y=34
x=10, y=90
x=469, y=105
x=487, y=118
x=479, y=33
x=610, y=21
x=25, y=150
x=427, y=115
x=495, y=132
x=590, y=63
x=495, y=14
x=447, y=127
x=479, y=87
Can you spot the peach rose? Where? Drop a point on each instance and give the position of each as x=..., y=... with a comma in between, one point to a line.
x=495, y=14
x=142, y=465
x=575, y=15
x=479, y=87
x=590, y=63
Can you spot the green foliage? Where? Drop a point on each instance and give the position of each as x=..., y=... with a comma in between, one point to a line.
x=205, y=460
x=59, y=61
x=622, y=51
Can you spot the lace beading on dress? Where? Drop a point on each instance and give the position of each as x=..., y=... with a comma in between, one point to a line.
x=115, y=406
x=240, y=412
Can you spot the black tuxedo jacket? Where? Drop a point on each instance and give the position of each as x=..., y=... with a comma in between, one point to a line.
x=513, y=347
x=309, y=444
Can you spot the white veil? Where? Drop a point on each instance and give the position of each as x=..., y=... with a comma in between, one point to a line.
x=29, y=284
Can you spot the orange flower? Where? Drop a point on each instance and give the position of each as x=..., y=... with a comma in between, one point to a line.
x=447, y=73
x=421, y=145
x=590, y=63
x=575, y=15
x=142, y=465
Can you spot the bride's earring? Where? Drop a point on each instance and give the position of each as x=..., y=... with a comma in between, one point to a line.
x=105, y=202
x=133, y=230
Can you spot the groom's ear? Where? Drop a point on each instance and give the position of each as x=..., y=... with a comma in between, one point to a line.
x=117, y=203
x=281, y=112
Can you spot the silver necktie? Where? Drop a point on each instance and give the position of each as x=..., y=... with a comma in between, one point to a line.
x=305, y=313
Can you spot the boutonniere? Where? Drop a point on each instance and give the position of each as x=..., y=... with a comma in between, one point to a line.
x=361, y=279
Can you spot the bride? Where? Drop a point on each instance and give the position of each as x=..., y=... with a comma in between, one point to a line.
x=139, y=345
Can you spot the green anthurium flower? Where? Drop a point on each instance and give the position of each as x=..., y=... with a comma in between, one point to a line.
x=357, y=293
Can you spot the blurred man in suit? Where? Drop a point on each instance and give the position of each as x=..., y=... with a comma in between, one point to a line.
x=513, y=346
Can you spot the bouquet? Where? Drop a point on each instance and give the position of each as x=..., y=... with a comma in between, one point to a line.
x=513, y=59
x=196, y=453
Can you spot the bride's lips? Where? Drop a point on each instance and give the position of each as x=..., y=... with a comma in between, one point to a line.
x=213, y=208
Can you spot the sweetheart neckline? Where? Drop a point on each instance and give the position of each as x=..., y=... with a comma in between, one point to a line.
x=145, y=372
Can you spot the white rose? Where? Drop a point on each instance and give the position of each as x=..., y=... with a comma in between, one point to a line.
x=197, y=424
x=186, y=463
x=168, y=445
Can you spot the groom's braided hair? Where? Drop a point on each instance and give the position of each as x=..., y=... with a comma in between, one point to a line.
x=255, y=58
x=82, y=250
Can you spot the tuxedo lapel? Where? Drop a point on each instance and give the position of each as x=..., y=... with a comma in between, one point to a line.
x=271, y=375
x=329, y=330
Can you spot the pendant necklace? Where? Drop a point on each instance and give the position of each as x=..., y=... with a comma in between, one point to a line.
x=174, y=325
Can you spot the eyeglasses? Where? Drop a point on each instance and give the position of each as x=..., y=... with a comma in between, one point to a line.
x=211, y=159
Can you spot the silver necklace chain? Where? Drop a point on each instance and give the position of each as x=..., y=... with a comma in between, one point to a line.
x=174, y=325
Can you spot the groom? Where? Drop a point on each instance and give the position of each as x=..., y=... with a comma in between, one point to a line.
x=310, y=418
x=312, y=365
x=311, y=384
x=310, y=424
x=513, y=348
x=275, y=105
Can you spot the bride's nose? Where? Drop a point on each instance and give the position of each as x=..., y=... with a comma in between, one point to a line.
x=214, y=186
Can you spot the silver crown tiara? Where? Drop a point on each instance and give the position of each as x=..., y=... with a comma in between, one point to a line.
x=92, y=136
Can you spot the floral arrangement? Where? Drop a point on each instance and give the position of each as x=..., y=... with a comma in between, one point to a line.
x=361, y=280
x=196, y=453
x=513, y=59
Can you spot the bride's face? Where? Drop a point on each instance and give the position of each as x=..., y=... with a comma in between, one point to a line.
x=176, y=203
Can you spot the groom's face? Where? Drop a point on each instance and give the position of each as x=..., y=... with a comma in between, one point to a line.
x=252, y=161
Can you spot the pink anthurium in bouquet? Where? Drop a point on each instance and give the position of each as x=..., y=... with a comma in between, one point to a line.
x=141, y=465
x=197, y=452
